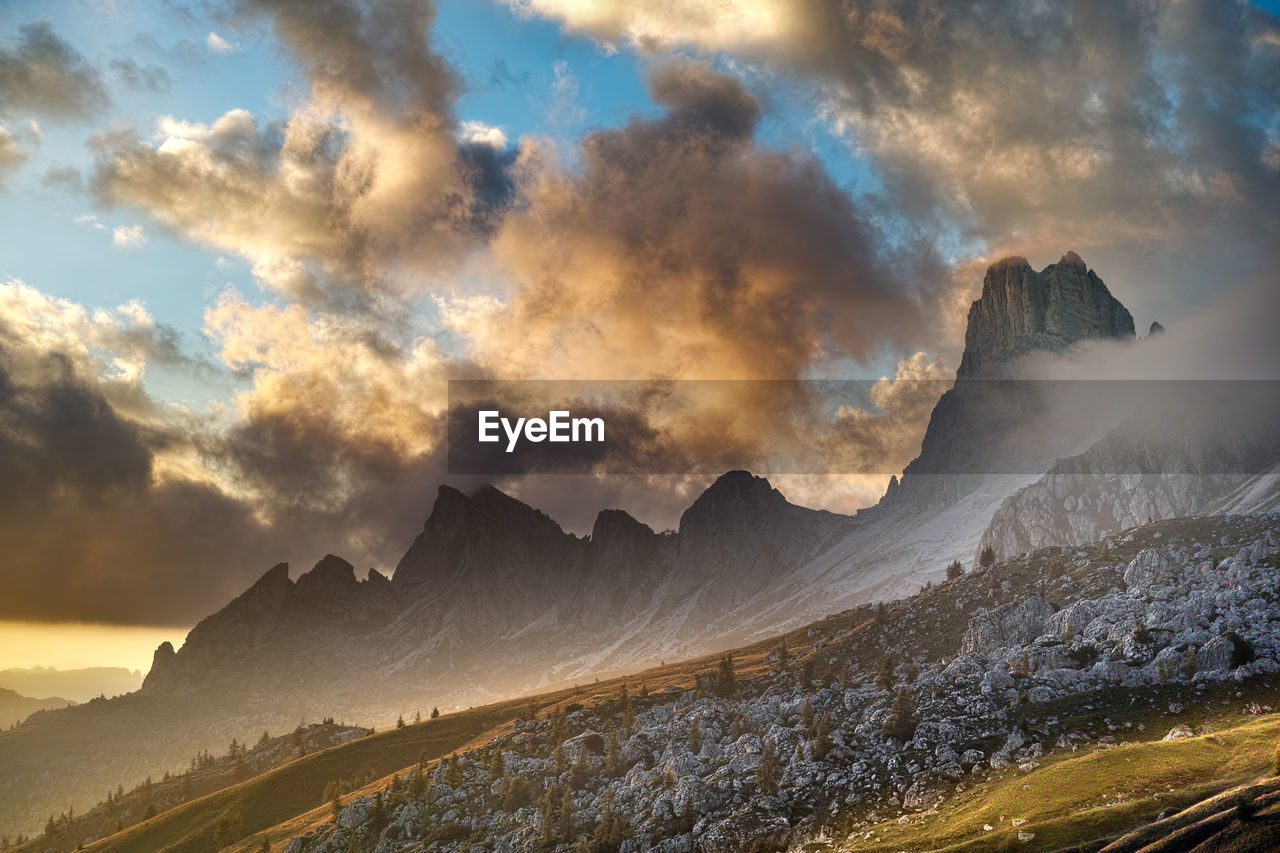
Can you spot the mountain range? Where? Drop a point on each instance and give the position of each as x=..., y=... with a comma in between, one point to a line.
x=493, y=598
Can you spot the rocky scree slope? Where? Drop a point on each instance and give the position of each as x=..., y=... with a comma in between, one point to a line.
x=866, y=714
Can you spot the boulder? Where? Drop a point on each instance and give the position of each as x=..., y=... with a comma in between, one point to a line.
x=1014, y=624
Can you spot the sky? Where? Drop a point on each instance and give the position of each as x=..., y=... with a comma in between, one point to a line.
x=247, y=243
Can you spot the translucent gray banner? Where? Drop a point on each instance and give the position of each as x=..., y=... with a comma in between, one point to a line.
x=862, y=426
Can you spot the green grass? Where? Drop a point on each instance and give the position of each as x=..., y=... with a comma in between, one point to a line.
x=1088, y=795
x=298, y=787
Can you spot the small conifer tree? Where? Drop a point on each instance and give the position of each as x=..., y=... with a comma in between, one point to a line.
x=768, y=770
x=901, y=723
x=453, y=772
x=884, y=678
x=613, y=757
x=695, y=735
x=726, y=683
x=822, y=737
x=580, y=774
x=496, y=765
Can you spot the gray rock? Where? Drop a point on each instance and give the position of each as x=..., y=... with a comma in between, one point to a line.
x=1013, y=624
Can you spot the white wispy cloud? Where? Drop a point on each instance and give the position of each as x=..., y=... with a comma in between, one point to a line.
x=128, y=236
x=218, y=44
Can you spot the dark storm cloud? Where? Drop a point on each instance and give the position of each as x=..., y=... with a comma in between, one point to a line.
x=58, y=435
x=40, y=74
x=680, y=248
x=86, y=529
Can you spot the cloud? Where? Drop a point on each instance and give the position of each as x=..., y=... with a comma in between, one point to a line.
x=681, y=249
x=143, y=78
x=1022, y=128
x=96, y=517
x=12, y=154
x=127, y=236
x=67, y=178
x=479, y=133
x=218, y=44
x=366, y=178
x=43, y=75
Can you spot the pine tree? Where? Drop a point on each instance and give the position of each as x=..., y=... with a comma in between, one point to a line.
x=453, y=773
x=435, y=713
x=901, y=722
x=333, y=793
x=822, y=737
x=417, y=717
x=496, y=765
x=559, y=725
x=400, y=722
x=913, y=672
x=768, y=770
x=806, y=673
x=613, y=758
x=726, y=683
x=378, y=815
x=560, y=760
x=884, y=679
x=955, y=570
x=806, y=715
x=550, y=800
x=581, y=772
x=608, y=833
x=567, y=809
x=882, y=613
x=987, y=557
x=417, y=783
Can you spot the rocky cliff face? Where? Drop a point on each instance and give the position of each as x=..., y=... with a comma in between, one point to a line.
x=1138, y=474
x=988, y=424
x=1023, y=311
x=494, y=597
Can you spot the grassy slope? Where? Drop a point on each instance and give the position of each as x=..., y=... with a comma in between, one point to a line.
x=279, y=794
x=1096, y=793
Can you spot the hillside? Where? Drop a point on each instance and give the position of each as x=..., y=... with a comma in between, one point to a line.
x=1048, y=673
x=207, y=773
x=14, y=707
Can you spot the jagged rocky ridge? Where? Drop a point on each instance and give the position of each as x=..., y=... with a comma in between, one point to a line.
x=990, y=668
x=494, y=597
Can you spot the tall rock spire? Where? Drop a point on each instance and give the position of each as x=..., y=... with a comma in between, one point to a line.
x=1021, y=311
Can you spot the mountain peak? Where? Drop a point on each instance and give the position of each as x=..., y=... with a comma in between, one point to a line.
x=1071, y=259
x=734, y=493
x=1022, y=311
